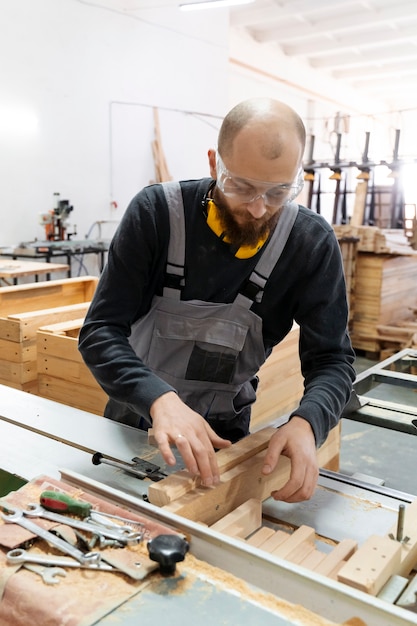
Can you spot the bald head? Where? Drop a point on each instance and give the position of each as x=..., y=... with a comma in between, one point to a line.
x=274, y=124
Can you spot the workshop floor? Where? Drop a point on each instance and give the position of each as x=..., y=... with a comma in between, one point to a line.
x=379, y=452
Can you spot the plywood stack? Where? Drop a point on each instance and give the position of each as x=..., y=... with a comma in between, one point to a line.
x=23, y=309
x=378, y=240
x=62, y=373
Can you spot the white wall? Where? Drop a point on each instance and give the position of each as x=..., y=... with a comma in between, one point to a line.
x=78, y=88
x=76, y=94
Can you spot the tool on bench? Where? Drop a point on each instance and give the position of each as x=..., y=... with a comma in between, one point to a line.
x=139, y=468
x=60, y=502
x=17, y=516
x=48, y=574
x=18, y=555
x=122, y=534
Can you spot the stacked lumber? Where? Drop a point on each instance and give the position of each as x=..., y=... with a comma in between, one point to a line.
x=23, y=309
x=62, y=373
x=234, y=508
x=349, y=248
x=378, y=240
x=385, y=294
x=281, y=383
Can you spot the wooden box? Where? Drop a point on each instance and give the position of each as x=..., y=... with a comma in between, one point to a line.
x=62, y=374
x=23, y=309
x=385, y=293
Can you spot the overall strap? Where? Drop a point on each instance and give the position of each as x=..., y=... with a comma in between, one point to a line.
x=174, y=280
x=254, y=288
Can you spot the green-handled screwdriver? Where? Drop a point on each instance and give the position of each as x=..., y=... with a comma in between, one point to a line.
x=63, y=503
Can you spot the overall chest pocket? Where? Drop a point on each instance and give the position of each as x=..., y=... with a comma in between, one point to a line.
x=203, y=348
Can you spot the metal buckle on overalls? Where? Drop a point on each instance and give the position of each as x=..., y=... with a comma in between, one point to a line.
x=172, y=281
x=252, y=291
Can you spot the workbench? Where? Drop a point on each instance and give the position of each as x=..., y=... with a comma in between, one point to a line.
x=69, y=249
x=41, y=437
x=13, y=270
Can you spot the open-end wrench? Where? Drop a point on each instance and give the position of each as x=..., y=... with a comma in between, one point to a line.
x=16, y=556
x=16, y=516
x=123, y=534
x=49, y=574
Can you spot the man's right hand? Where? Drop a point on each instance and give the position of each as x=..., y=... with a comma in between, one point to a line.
x=174, y=423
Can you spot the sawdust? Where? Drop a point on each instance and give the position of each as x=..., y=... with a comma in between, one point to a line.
x=218, y=577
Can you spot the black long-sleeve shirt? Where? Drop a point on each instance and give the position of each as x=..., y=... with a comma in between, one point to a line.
x=306, y=286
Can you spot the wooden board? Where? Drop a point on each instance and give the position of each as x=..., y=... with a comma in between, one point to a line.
x=241, y=483
x=49, y=294
x=372, y=564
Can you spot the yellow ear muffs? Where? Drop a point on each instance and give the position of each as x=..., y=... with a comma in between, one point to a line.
x=213, y=221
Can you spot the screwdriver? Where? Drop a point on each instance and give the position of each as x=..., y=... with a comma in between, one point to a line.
x=59, y=502
x=63, y=503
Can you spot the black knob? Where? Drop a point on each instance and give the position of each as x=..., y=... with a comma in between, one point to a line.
x=167, y=550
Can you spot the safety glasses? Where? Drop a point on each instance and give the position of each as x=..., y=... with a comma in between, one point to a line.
x=247, y=190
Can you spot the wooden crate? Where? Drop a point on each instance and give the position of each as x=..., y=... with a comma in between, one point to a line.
x=62, y=374
x=23, y=309
x=281, y=383
x=386, y=292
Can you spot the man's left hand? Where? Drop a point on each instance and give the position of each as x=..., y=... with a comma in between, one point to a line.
x=295, y=440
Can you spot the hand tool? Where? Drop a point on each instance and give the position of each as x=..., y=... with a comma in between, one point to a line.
x=139, y=468
x=18, y=555
x=59, y=502
x=16, y=516
x=122, y=534
x=49, y=575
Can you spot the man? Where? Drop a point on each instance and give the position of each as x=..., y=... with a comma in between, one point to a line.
x=203, y=279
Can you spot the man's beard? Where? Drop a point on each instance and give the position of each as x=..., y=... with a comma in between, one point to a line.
x=248, y=233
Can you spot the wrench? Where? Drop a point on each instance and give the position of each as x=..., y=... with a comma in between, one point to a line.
x=16, y=516
x=49, y=574
x=23, y=556
x=123, y=534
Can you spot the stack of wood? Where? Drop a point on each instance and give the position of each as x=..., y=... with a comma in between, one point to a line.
x=234, y=508
x=25, y=308
x=377, y=240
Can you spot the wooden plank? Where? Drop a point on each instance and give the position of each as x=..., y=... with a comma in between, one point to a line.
x=260, y=536
x=300, y=552
x=372, y=564
x=18, y=352
x=300, y=536
x=18, y=372
x=23, y=326
x=341, y=552
x=241, y=483
x=241, y=522
x=47, y=294
x=67, y=370
x=313, y=559
x=274, y=541
x=76, y=395
x=178, y=484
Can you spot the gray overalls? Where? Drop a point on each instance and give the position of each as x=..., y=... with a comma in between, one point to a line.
x=208, y=352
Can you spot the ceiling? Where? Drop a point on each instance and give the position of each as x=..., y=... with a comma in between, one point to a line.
x=369, y=45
